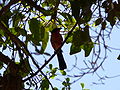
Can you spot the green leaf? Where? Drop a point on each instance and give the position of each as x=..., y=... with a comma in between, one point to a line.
x=52, y=2
x=5, y=18
x=44, y=42
x=34, y=26
x=68, y=79
x=81, y=40
x=64, y=83
x=118, y=57
x=43, y=34
x=87, y=48
x=82, y=85
x=69, y=40
x=112, y=22
x=98, y=21
x=17, y=17
x=55, y=88
x=50, y=26
x=85, y=35
x=24, y=68
x=21, y=31
x=68, y=17
x=88, y=44
x=75, y=6
x=63, y=88
x=1, y=41
x=63, y=72
x=86, y=89
x=76, y=42
x=1, y=65
x=44, y=85
x=50, y=66
x=13, y=31
x=53, y=76
x=74, y=49
x=53, y=72
x=37, y=30
x=1, y=33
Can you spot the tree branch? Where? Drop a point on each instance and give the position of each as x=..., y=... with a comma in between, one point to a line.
x=69, y=33
x=5, y=8
x=37, y=7
x=5, y=59
x=18, y=42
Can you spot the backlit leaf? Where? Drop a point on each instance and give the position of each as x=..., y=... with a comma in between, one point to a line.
x=44, y=85
x=81, y=40
x=37, y=30
x=44, y=42
x=98, y=21
x=76, y=42
x=82, y=85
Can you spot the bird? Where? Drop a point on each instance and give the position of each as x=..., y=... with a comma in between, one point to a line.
x=56, y=42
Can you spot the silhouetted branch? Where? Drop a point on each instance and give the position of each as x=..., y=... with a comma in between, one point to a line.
x=5, y=59
x=52, y=55
x=5, y=8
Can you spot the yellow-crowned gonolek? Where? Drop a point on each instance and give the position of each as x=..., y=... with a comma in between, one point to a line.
x=56, y=41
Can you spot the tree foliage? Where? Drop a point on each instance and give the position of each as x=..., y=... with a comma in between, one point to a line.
x=24, y=32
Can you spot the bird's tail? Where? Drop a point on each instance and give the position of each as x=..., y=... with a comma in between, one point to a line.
x=62, y=64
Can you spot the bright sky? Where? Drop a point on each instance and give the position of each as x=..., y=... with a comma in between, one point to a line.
x=111, y=67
